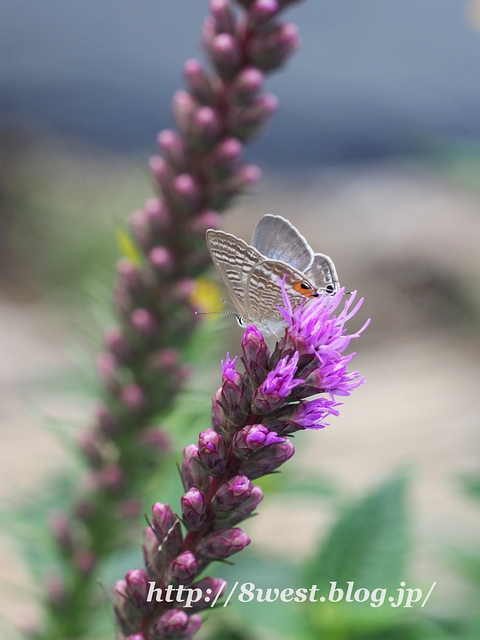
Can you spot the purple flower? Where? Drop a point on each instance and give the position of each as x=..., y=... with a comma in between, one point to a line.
x=314, y=330
x=253, y=438
x=277, y=386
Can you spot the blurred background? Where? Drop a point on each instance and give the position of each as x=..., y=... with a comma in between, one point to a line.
x=374, y=155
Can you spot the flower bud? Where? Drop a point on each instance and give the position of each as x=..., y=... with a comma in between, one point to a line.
x=162, y=173
x=129, y=276
x=253, y=438
x=187, y=192
x=255, y=354
x=231, y=494
x=85, y=510
x=57, y=592
x=133, y=397
x=126, y=614
x=269, y=51
x=166, y=527
x=173, y=148
x=143, y=322
x=227, y=153
x=245, y=509
x=184, y=289
x=111, y=478
x=198, y=82
x=137, y=589
x=194, y=509
x=247, y=84
x=205, y=220
x=161, y=260
x=175, y=623
x=224, y=17
x=85, y=560
x=106, y=421
x=205, y=127
x=183, y=569
x=212, y=452
x=220, y=419
x=184, y=106
x=209, y=588
x=118, y=344
x=222, y=544
x=249, y=121
x=90, y=446
x=140, y=228
x=107, y=369
x=226, y=55
x=193, y=473
x=243, y=177
x=156, y=440
x=62, y=531
x=262, y=11
x=130, y=508
x=159, y=217
x=267, y=460
x=154, y=554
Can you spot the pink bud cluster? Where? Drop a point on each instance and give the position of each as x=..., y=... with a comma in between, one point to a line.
x=253, y=414
x=197, y=172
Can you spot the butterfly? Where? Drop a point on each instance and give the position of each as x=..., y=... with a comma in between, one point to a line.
x=251, y=272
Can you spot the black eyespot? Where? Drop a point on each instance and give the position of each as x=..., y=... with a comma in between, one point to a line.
x=305, y=285
x=329, y=288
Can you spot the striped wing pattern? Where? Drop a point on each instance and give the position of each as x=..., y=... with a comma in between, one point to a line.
x=264, y=295
x=250, y=273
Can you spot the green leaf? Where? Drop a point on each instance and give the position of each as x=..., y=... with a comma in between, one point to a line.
x=366, y=548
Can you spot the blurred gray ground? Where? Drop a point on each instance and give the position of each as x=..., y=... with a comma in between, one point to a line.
x=408, y=241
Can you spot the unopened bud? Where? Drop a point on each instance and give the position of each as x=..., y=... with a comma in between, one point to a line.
x=227, y=152
x=184, y=106
x=226, y=54
x=173, y=148
x=212, y=452
x=106, y=421
x=85, y=560
x=159, y=217
x=224, y=18
x=222, y=544
x=193, y=473
x=175, y=623
x=143, y=322
x=206, y=220
x=166, y=527
x=198, y=82
x=187, y=192
x=267, y=460
x=137, y=589
x=269, y=51
x=117, y=343
x=231, y=494
x=262, y=11
x=133, y=397
x=183, y=569
x=194, y=509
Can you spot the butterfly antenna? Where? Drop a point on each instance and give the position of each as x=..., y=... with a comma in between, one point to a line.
x=209, y=313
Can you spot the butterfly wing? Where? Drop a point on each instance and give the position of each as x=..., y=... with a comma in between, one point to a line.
x=323, y=274
x=234, y=260
x=264, y=295
x=277, y=239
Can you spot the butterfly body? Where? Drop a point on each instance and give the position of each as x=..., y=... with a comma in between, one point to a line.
x=251, y=272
